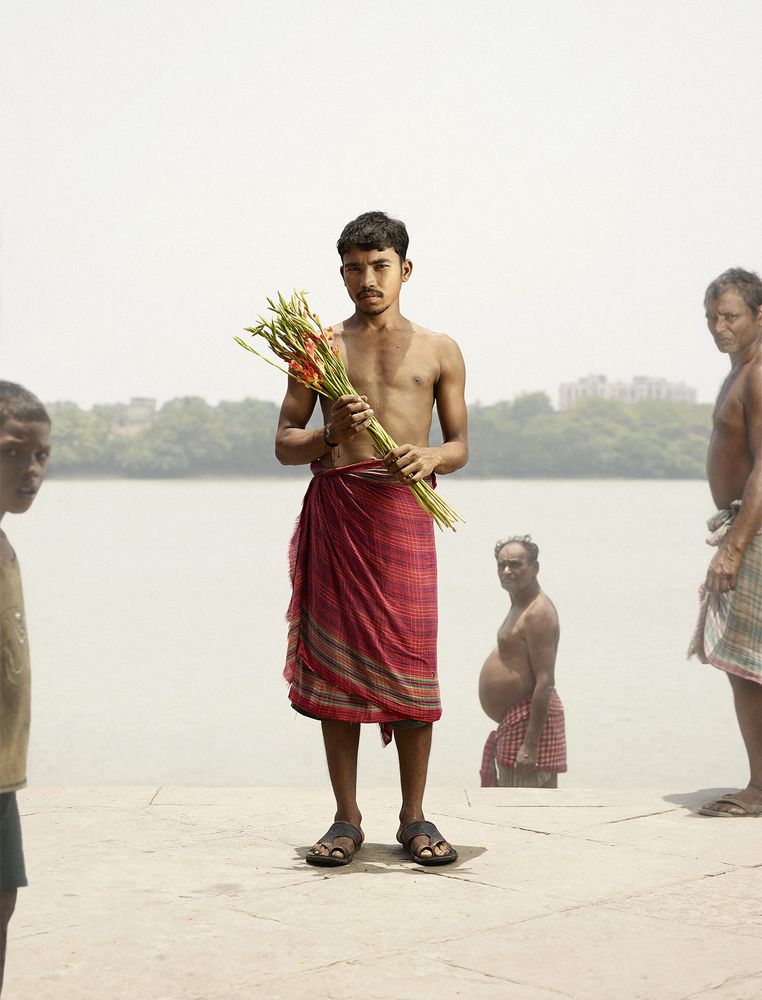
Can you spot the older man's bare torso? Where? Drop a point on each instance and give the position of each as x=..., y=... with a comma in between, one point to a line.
x=507, y=675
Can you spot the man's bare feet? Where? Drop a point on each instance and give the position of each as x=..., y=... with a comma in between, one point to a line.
x=337, y=846
x=747, y=802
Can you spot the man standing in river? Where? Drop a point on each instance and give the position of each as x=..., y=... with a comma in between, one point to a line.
x=517, y=682
x=729, y=633
x=363, y=612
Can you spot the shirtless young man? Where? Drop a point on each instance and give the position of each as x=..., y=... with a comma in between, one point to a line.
x=517, y=681
x=733, y=642
x=362, y=636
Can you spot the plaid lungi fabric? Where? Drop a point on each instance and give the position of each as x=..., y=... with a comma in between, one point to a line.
x=728, y=633
x=362, y=637
x=505, y=742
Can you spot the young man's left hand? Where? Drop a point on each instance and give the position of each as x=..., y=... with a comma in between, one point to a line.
x=409, y=463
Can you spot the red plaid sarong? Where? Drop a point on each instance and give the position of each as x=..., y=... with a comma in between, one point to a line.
x=505, y=742
x=362, y=637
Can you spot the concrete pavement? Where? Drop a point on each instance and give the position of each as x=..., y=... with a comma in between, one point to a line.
x=203, y=894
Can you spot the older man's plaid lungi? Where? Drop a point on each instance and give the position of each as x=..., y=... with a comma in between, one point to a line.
x=729, y=630
x=505, y=742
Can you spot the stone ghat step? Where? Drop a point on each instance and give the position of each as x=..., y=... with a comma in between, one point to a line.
x=186, y=892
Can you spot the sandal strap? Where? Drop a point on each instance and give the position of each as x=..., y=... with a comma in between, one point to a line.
x=341, y=829
x=421, y=828
x=747, y=808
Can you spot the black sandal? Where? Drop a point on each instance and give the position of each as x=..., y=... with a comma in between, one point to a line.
x=333, y=833
x=422, y=828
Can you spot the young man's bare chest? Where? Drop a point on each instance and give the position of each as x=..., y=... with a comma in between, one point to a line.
x=396, y=365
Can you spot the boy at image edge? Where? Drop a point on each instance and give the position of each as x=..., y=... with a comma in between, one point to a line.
x=24, y=452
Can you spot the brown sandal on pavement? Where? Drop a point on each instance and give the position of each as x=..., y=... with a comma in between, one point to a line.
x=422, y=828
x=333, y=833
x=741, y=809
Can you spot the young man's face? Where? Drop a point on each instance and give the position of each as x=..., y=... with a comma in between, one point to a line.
x=373, y=278
x=514, y=567
x=732, y=323
x=24, y=452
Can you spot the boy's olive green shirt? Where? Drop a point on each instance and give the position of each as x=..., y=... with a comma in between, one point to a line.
x=15, y=679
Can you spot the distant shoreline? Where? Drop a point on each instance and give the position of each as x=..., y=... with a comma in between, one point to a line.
x=524, y=438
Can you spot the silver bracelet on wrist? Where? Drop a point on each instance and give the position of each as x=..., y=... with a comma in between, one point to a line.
x=328, y=443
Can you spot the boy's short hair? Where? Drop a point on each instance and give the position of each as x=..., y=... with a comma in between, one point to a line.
x=374, y=231
x=18, y=403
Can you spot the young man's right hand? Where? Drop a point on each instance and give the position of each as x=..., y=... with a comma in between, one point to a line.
x=349, y=416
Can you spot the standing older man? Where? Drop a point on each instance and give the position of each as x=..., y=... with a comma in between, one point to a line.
x=363, y=613
x=517, y=685
x=729, y=634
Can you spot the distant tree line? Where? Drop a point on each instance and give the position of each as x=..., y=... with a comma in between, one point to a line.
x=525, y=437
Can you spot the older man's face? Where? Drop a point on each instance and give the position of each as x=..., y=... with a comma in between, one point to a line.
x=732, y=323
x=514, y=568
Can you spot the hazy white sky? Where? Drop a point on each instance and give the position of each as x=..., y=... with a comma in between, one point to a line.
x=571, y=173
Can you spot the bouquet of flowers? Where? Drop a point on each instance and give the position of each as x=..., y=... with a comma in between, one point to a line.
x=295, y=335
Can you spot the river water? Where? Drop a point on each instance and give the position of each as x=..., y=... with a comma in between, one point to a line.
x=156, y=616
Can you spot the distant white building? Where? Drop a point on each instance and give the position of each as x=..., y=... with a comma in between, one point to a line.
x=137, y=415
x=641, y=387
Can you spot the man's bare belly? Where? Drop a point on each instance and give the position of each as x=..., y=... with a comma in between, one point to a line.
x=727, y=472
x=728, y=461
x=501, y=686
x=725, y=490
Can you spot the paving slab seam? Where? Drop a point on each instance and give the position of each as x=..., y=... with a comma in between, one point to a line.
x=354, y=963
x=74, y=810
x=507, y=825
x=671, y=853
x=662, y=851
x=629, y=819
x=316, y=969
x=584, y=807
x=513, y=982
x=466, y=935
x=498, y=824
x=659, y=890
x=257, y=916
x=309, y=880
x=725, y=982
x=153, y=797
x=674, y=921
x=181, y=821
x=230, y=830
x=526, y=829
x=726, y=871
x=36, y=934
